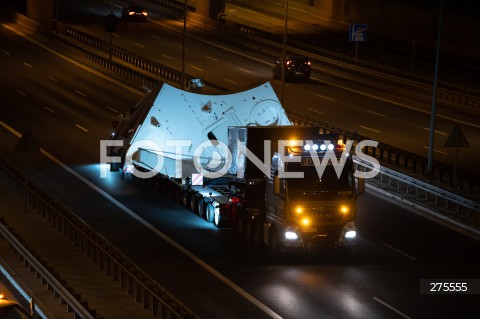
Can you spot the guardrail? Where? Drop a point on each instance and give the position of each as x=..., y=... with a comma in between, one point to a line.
x=449, y=204
x=148, y=66
x=46, y=278
x=387, y=154
x=131, y=277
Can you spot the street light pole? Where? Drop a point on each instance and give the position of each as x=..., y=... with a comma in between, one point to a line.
x=434, y=96
x=284, y=54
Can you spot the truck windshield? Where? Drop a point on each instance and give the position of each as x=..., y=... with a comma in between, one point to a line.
x=311, y=187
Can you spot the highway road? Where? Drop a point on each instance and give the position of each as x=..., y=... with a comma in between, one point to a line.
x=69, y=109
x=379, y=111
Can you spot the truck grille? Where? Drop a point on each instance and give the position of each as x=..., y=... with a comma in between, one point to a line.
x=327, y=214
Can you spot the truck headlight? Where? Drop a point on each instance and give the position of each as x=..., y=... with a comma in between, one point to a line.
x=291, y=235
x=351, y=234
x=348, y=234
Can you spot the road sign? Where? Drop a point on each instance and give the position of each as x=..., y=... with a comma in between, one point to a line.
x=456, y=138
x=27, y=143
x=358, y=32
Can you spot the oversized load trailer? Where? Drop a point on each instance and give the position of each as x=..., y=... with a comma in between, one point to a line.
x=284, y=186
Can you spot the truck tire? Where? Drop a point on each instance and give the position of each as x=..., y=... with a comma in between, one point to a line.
x=274, y=246
x=217, y=219
x=240, y=221
x=193, y=203
x=210, y=213
x=185, y=199
x=248, y=226
x=201, y=207
x=258, y=232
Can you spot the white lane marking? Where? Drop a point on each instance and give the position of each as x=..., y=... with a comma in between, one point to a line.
x=139, y=45
x=28, y=65
x=76, y=63
x=439, y=152
x=116, y=35
x=112, y=109
x=21, y=93
x=82, y=94
x=391, y=308
x=52, y=78
x=438, y=132
x=325, y=97
x=156, y=37
x=449, y=118
x=399, y=251
x=315, y=111
x=375, y=113
x=167, y=56
x=231, y=81
x=245, y=70
x=157, y=232
x=195, y=68
x=81, y=127
x=370, y=129
x=211, y=58
x=49, y=109
x=5, y=52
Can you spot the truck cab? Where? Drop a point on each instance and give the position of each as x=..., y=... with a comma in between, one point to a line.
x=310, y=191
x=311, y=213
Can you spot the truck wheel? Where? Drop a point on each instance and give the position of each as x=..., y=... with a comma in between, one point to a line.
x=240, y=221
x=185, y=201
x=248, y=226
x=201, y=207
x=274, y=246
x=193, y=203
x=217, y=219
x=258, y=232
x=210, y=213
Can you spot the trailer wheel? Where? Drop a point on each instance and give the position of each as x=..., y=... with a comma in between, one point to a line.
x=258, y=232
x=210, y=213
x=217, y=219
x=193, y=203
x=185, y=201
x=201, y=207
x=249, y=221
x=240, y=221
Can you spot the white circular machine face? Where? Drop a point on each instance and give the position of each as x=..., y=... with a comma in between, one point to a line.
x=179, y=121
x=266, y=113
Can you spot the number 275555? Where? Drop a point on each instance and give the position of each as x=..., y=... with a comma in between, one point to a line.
x=448, y=286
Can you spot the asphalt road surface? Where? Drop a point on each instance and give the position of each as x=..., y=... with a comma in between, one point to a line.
x=215, y=273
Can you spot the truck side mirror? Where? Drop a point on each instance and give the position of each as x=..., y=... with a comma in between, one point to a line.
x=276, y=185
x=360, y=186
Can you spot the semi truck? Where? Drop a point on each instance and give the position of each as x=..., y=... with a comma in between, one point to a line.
x=286, y=187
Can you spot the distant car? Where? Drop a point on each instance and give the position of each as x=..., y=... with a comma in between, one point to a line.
x=134, y=13
x=296, y=68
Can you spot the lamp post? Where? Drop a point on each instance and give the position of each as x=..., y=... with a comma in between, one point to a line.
x=284, y=54
x=434, y=96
